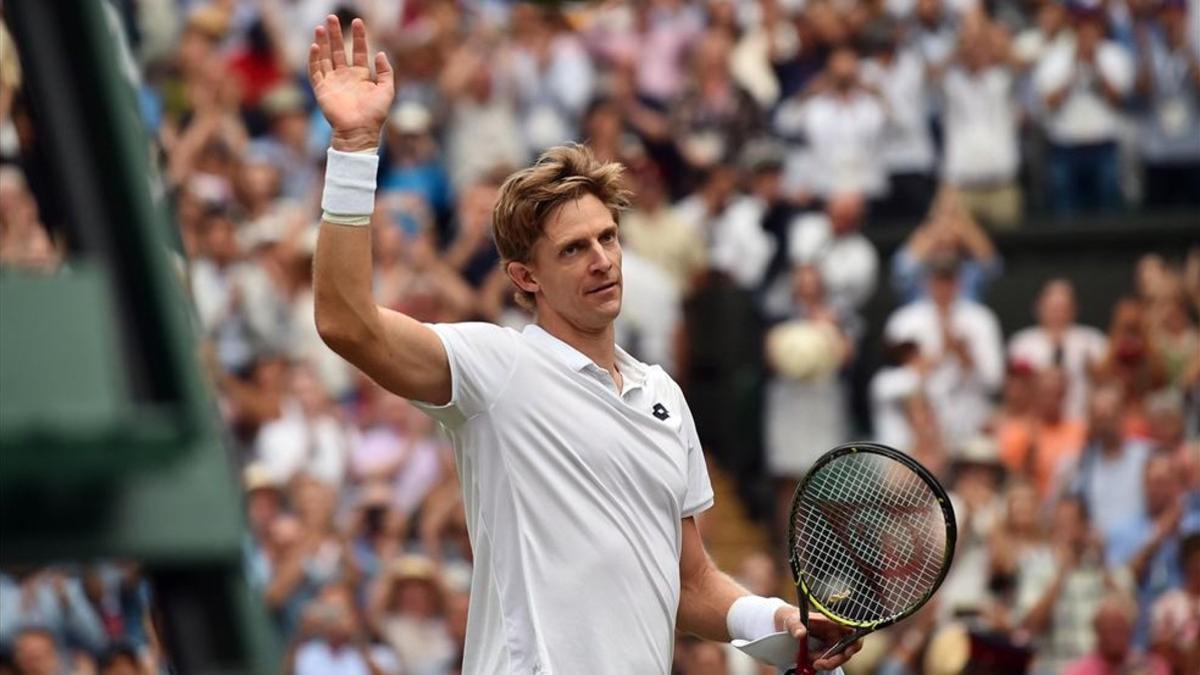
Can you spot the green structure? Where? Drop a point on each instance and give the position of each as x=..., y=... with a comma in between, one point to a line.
x=110, y=445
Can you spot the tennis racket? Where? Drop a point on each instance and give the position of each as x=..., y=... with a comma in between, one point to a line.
x=870, y=538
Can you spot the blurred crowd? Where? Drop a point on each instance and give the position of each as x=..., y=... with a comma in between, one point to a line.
x=763, y=139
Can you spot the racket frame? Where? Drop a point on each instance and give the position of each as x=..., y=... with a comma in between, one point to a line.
x=862, y=628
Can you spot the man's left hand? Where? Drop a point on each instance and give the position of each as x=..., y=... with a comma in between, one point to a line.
x=828, y=632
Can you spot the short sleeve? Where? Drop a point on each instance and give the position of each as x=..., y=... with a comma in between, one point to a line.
x=482, y=359
x=699, y=495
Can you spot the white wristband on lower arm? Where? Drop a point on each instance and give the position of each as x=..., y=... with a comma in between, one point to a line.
x=752, y=616
x=349, y=196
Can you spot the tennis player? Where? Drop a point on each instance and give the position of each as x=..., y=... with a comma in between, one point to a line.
x=580, y=466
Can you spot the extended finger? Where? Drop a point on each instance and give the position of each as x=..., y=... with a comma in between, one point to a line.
x=324, y=61
x=314, y=64
x=358, y=34
x=383, y=72
x=337, y=44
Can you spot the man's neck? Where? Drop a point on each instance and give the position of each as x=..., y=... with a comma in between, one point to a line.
x=600, y=345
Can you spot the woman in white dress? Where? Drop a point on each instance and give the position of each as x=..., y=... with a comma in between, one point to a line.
x=805, y=399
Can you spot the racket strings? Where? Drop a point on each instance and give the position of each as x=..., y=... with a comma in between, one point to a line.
x=869, y=537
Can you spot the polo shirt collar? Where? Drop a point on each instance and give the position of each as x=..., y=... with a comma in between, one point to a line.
x=633, y=372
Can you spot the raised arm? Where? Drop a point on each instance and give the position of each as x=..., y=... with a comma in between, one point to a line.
x=401, y=354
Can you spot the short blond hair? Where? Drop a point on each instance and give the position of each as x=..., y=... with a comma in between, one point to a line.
x=527, y=198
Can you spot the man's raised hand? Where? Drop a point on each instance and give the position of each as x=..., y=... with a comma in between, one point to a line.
x=355, y=102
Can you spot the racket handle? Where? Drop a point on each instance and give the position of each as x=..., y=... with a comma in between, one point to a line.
x=803, y=667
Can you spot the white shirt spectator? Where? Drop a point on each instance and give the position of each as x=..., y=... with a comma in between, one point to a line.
x=849, y=264
x=293, y=443
x=891, y=389
x=843, y=135
x=218, y=298
x=981, y=127
x=316, y=657
x=1085, y=116
x=1112, y=486
x=650, y=312
x=960, y=396
x=907, y=145
x=552, y=95
x=1081, y=346
x=481, y=137
x=740, y=247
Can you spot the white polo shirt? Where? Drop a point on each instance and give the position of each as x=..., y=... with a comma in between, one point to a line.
x=574, y=498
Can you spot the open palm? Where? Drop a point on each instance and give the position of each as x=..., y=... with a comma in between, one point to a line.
x=355, y=102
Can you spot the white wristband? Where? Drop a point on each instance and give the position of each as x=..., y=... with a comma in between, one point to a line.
x=350, y=184
x=752, y=616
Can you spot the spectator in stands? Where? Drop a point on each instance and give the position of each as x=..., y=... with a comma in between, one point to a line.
x=656, y=232
x=1133, y=361
x=407, y=608
x=1175, y=617
x=1038, y=446
x=1115, y=650
x=415, y=164
x=714, y=117
x=1084, y=90
x=962, y=340
x=898, y=73
x=482, y=131
x=842, y=124
x=1058, y=341
x=1108, y=473
x=217, y=292
x=36, y=652
x=333, y=640
x=805, y=397
x=833, y=242
x=552, y=76
x=949, y=229
x=749, y=243
x=1060, y=587
x=1168, y=89
x=1149, y=542
x=892, y=388
x=52, y=601
x=980, y=157
x=1020, y=533
x=309, y=437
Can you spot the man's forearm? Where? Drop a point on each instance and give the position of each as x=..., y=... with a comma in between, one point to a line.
x=704, y=603
x=344, y=307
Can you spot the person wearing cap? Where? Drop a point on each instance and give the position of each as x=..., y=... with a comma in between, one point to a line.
x=580, y=466
x=961, y=338
x=1084, y=91
x=415, y=161
x=407, y=607
x=286, y=142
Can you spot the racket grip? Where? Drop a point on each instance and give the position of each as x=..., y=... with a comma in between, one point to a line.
x=803, y=667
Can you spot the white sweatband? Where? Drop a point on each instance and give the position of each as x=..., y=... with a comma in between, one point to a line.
x=349, y=195
x=752, y=616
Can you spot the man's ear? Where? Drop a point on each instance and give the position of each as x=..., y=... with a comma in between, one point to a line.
x=522, y=277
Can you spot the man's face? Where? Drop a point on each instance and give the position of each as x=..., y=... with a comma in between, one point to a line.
x=35, y=654
x=575, y=270
x=1056, y=308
